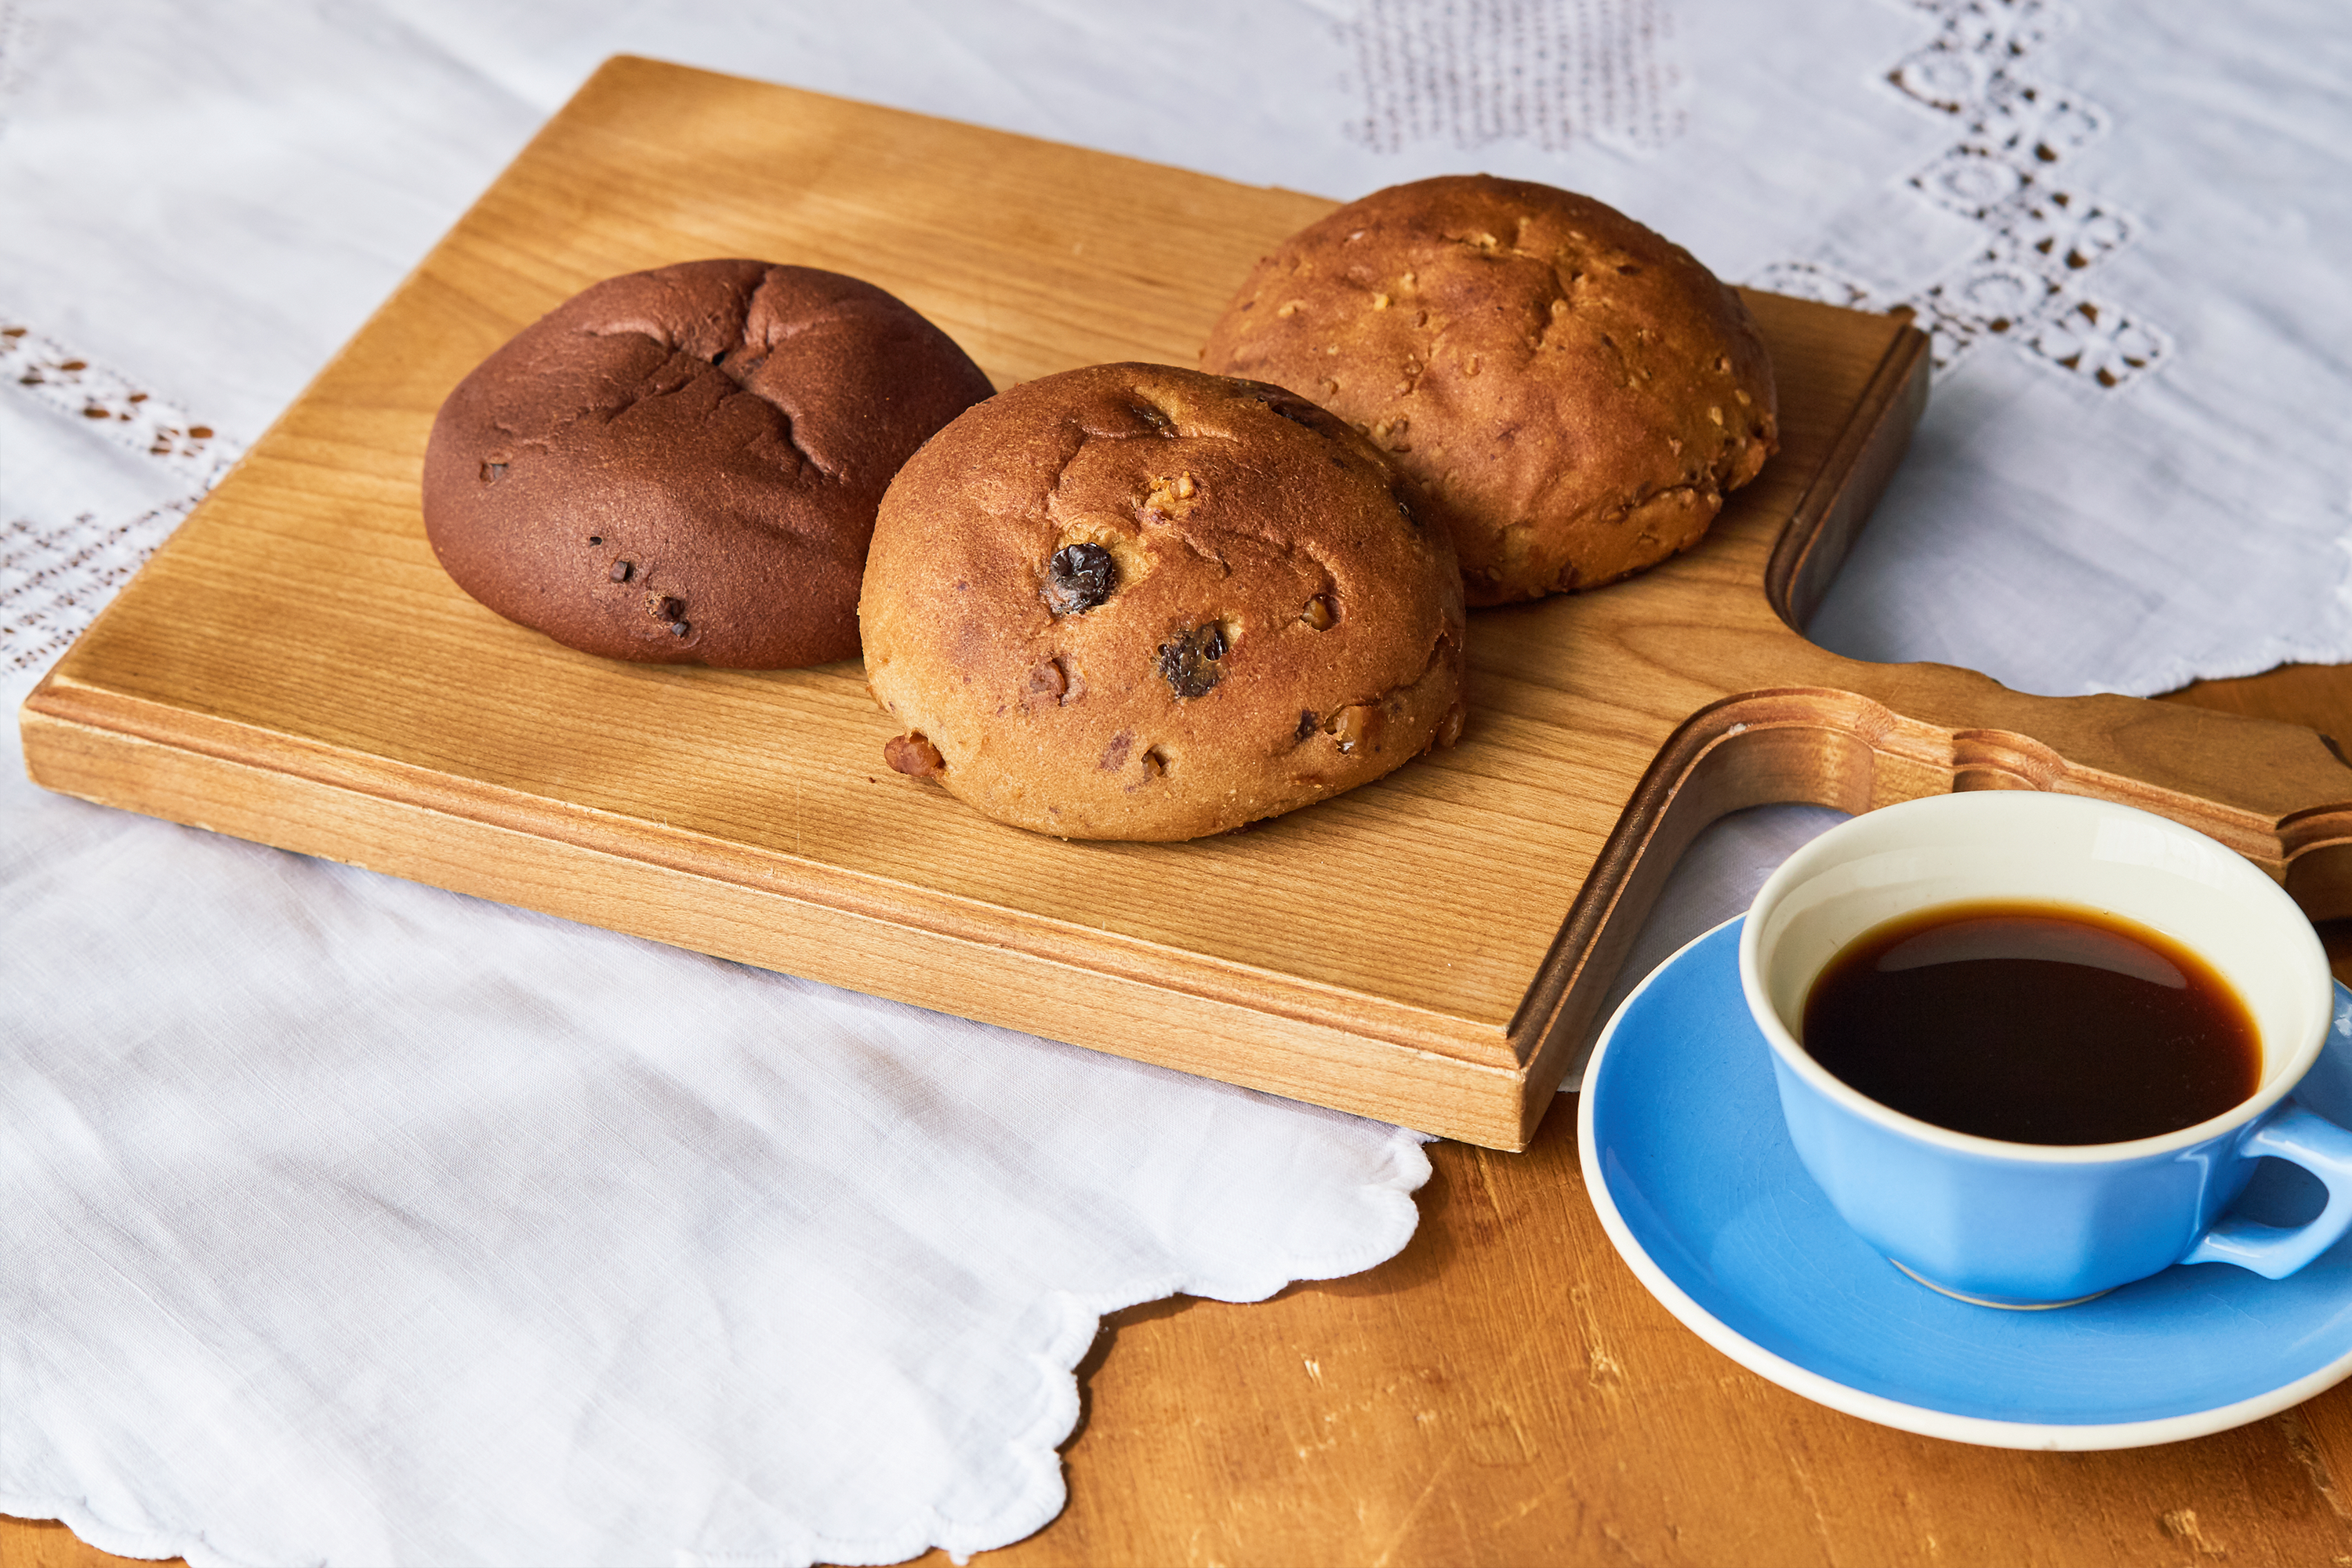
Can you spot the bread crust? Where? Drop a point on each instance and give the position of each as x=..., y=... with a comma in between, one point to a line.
x=1279, y=621
x=1574, y=393
x=682, y=465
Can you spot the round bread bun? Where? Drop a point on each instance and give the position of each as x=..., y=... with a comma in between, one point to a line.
x=1573, y=393
x=682, y=465
x=1139, y=602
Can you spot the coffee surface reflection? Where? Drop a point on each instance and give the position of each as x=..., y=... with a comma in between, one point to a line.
x=2034, y=1023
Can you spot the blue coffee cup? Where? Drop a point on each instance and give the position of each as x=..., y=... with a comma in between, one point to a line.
x=2026, y=1224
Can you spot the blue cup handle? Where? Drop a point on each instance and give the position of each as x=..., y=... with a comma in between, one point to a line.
x=2291, y=1133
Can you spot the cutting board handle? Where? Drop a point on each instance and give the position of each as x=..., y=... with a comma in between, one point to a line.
x=2278, y=793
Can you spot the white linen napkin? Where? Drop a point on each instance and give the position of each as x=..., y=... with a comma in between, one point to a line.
x=345, y=1220
x=350, y=1221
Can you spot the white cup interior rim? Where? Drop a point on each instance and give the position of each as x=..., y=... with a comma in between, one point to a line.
x=1949, y=819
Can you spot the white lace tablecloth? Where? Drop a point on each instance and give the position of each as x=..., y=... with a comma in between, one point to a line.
x=347, y=1221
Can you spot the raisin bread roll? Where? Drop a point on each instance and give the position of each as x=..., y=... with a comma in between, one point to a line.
x=1574, y=394
x=1140, y=602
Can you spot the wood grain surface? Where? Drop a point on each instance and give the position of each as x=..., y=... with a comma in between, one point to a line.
x=294, y=667
x=1504, y=1392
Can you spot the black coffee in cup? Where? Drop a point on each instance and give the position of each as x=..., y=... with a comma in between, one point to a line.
x=2034, y=1023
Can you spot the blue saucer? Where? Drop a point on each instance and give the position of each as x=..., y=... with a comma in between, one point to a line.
x=1689, y=1162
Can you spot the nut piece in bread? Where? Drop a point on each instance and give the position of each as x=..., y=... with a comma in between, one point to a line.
x=682, y=465
x=1573, y=393
x=1140, y=602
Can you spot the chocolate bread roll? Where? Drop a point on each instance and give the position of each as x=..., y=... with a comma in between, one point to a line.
x=682, y=465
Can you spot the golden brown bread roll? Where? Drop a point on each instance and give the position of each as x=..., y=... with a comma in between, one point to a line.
x=1573, y=393
x=1140, y=602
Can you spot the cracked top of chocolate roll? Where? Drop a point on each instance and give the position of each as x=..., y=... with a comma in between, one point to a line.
x=682, y=465
x=1140, y=602
x=1574, y=393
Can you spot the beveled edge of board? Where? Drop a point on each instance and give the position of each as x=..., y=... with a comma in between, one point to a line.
x=1020, y=986
x=659, y=846
x=1830, y=518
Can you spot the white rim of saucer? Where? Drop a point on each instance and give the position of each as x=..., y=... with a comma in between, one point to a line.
x=1927, y=1422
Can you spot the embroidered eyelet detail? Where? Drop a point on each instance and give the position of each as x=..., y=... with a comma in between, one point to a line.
x=1551, y=74
x=2004, y=172
x=115, y=407
x=55, y=578
x=53, y=581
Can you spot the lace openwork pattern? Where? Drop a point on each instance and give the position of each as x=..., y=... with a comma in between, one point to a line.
x=53, y=581
x=1549, y=73
x=2006, y=170
x=54, y=577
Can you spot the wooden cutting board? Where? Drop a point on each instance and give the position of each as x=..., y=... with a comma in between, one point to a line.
x=293, y=667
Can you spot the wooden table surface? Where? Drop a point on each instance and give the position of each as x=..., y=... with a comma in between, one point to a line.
x=1505, y=1392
